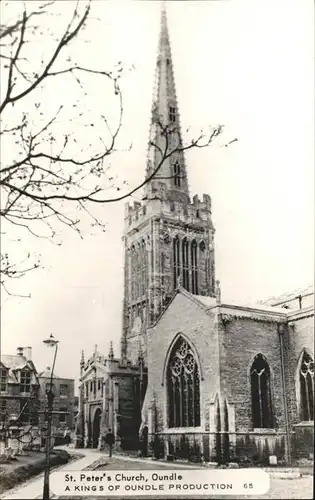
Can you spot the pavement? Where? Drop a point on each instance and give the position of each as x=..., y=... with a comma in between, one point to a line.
x=32, y=488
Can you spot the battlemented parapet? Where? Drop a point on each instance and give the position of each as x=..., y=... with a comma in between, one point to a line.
x=198, y=212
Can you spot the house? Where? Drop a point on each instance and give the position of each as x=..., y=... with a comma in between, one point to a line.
x=19, y=401
x=63, y=404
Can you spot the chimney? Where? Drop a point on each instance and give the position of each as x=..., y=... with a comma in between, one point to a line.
x=28, y=353
x=19, y=351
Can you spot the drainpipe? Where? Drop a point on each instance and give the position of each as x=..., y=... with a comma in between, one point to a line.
x=284, y=394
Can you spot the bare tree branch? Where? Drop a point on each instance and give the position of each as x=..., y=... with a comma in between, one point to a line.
x=49, y=174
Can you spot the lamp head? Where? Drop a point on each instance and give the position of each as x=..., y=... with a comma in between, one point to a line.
x=51, y=341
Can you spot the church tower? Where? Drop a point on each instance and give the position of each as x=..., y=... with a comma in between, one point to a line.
x=168, y=239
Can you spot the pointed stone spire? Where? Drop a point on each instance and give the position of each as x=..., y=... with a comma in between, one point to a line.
x=111, y=351
x=218, y=292
x=95, y=351
x=165, y=118
x=82, y=358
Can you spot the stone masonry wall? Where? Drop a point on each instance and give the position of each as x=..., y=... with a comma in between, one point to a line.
x=199, y=329
x=240, y=341
x=299, y=335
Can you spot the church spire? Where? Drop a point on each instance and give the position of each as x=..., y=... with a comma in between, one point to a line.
x=170, y=182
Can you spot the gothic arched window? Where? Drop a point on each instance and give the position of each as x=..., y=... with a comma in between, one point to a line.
x=176, y=260
x=261, y=393
x=183, y=392
x=177, y=174
x=133, y=266
x=194, y=268
x=306, y=376
x=185, y=250
x=138, y=270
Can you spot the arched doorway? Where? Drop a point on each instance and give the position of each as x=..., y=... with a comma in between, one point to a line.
x=96, y=428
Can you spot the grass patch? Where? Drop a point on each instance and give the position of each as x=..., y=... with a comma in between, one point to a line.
x=30, y=465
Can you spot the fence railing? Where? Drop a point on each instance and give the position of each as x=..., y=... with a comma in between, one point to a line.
x=220, y=447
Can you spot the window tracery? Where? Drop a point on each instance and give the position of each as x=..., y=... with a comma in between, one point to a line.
x=306, y=377
x=183, y=387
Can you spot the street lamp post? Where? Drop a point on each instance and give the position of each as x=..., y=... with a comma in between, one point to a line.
x=51, y=342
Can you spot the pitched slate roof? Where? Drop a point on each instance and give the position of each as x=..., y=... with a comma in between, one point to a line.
x=15, y=362
x=207, y=301
x=47, y=373
x=286, y=297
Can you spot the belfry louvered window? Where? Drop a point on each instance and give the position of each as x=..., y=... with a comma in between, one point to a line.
x=185, y=260
x=307, y=387
x=172, y=114
x=176, y=260
x=177, y=174
x=194, y=268
x=183, y=387
x=261, y=393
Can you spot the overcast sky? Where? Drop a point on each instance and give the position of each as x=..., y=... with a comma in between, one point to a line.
x=247, y=65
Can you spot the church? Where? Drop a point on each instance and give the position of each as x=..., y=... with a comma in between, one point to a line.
x=197, y=378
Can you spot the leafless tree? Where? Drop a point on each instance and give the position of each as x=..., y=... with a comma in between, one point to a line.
x=51, y=173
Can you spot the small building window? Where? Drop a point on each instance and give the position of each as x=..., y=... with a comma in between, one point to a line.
x=3, y=380
x=63, y=414
x=25, y=381
x=3, y=410
x=50, y=387
x=262, y=416
x=63, y=390
x=172, y=114
x=307, y=387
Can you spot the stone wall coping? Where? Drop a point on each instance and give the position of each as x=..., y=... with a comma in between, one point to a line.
x=183, y=430
x=301, y=313
x=309, y=423
x=253, y=309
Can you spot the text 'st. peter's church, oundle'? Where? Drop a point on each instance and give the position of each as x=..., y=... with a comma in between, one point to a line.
x=197, y=378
